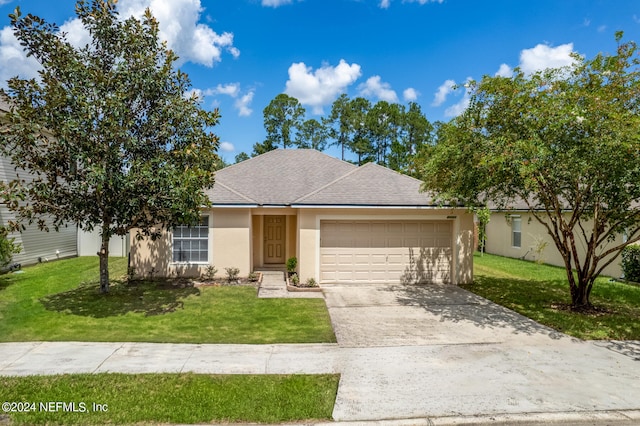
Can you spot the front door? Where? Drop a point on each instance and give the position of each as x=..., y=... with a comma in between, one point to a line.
x=274, y=239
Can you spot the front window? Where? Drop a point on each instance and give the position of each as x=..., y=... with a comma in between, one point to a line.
x=191, y=243
x=516, y=232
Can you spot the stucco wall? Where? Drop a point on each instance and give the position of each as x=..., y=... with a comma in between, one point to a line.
x=229, y=246
x=534, y=234
x=309, y=229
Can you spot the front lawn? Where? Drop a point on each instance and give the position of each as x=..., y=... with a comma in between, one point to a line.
x=167, y=398
x=60, y=301
x=541, y=292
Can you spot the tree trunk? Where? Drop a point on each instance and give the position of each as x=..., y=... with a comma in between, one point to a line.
x=580, y=296
x=104, y=263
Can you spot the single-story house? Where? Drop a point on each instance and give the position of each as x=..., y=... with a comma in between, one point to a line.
x=517, y=233
x=342, y=222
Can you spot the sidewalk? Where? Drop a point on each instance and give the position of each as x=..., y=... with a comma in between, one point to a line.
x=406, y=356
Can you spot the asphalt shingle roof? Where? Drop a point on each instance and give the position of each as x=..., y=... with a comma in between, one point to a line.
x=309, y=177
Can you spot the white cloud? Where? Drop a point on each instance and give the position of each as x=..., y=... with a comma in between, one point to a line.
x=320, y=87
x=4, y=2
x=76, y=33
x=374, y=86
x=14, y=61
x=242, y=104
x=410, y=94
x=443, y=91
x=543, y=56
x=384, y=4
x=231, y=89
x=275, y=3
x=192, y=41
x=227, y=147
x=504, y=71
x=458, y=108
x=179, y=26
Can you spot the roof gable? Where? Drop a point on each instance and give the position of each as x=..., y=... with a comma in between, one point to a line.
x=370, y=185
x=279, y=177
x=308, y=177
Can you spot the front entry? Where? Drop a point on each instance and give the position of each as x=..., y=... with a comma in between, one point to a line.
x=274, y=239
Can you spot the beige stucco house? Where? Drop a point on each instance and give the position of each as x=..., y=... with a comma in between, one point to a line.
x=516, y=233
x=342, y=222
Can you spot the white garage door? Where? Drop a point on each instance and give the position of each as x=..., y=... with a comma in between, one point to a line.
x=359, y=251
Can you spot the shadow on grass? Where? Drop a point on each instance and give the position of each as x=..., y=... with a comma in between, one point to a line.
x=6, y=279
x=147, y=297
x=455, y=304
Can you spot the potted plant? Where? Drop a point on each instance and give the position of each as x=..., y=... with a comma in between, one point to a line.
x=292, y=263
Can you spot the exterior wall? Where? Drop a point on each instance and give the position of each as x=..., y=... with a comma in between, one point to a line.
x=36, y=244
x=230, y=233
x=309, y=231
x=236, y=239
x=231, y=240
x=533, y=234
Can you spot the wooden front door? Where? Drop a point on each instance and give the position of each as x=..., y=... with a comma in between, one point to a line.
x=274, y=239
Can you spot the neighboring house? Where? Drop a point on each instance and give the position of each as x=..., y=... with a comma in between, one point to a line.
x=344, y=223
x=35, y=245
x=516, y=233
x=39, y=246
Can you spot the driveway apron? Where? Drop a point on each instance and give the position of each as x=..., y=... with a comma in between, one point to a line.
x=440, y=351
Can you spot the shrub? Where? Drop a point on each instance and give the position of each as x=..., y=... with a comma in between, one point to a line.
x=232, y=274
x=253, y=277
x=292, y=262
x=210, y=273
x=631, y=263
x=311, y=282
x=295, y=280
x=8, y=247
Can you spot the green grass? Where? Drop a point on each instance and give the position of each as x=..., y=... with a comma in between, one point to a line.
x=171, y=398
x=60, y=301
x=541, y=292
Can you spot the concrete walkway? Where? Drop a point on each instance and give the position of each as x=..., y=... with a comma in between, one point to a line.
x=273, y=285
x=432, y=355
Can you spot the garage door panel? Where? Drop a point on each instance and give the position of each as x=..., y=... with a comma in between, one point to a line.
x=385, y=251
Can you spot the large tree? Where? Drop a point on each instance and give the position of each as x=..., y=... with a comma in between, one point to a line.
x=564, y=141
x=107, y=129
x=282, y=118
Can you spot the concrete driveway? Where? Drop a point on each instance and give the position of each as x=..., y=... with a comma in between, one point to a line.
x=440, y=351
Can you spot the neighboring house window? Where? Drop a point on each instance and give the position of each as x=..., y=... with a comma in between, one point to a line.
x=516, y=231
x=191, y=243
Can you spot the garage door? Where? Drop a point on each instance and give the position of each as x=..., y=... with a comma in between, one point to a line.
x=357, y=251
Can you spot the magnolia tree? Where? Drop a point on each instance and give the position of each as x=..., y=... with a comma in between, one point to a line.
x=564, y=141
x=107, y=130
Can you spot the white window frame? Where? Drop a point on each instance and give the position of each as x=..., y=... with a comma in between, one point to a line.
x=200, y=236
x=516, y=222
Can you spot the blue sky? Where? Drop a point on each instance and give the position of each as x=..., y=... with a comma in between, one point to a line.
x=240, y=54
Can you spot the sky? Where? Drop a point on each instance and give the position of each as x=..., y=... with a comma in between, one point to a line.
x=240, y=54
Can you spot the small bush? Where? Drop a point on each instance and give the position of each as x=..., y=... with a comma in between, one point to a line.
x=253, y=277
x=311, y=282
x=292, y=262
x=295, y=280
x=232, y=274
x=210, y=273
x=631, y=263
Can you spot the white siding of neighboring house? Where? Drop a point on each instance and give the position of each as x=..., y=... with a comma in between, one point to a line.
x=89, y=244
x=37, y=245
